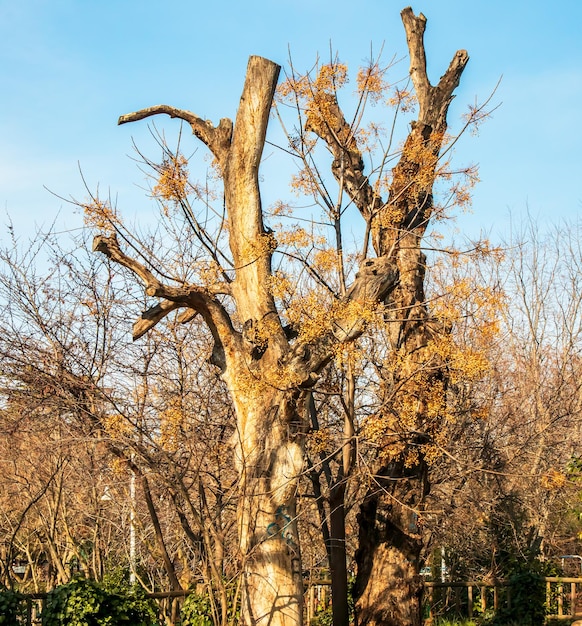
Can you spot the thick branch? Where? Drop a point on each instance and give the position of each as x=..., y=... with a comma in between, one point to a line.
x=348, y=163
x=415, y=26
x=217, y=138
x=251, y=245
x=109, y=246
x=155, y=314
x=192, y=297
x=152, y=316
x=374, y=282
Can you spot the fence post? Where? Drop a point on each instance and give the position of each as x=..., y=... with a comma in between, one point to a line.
x=310, y=603
x=470, y=600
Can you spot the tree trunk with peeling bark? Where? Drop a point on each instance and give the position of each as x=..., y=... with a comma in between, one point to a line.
x=269, y=373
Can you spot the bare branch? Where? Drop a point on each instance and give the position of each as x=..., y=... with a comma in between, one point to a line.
x=216, y=138
x=152, y=316
x=109, y=246
x=415, y=26
x=192, y=297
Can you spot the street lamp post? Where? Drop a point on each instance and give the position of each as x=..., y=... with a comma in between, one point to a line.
x=132, y=539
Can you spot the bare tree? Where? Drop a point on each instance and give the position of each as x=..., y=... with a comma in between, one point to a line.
x=270, y=366
x=84, y=407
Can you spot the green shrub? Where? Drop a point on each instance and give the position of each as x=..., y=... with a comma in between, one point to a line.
x=89, y=603
x=197, y=611
x=197, y=607
x=323, y=617
x=528, y=601
x=12, y=608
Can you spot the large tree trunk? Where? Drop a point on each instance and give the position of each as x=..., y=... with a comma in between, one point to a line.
x=269, y=458
x=388, y=585
x=387, y=588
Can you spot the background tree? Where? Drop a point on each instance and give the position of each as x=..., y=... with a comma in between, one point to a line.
x=82, y=406
x=506, y=477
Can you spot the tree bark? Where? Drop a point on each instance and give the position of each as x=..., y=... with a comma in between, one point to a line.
x=388, y=585
x=338, y=556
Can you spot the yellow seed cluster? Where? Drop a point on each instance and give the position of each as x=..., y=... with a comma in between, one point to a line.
x=553, y=479
x=326, y=260
x=404, y=99
x=319, y=442
x=209, y=273
x=281, y=286
x=100, y=215
x=116, y=425
x=171, y=425
x=264, y=244
x=173, y=179
x=296, y=237
x=370, y=81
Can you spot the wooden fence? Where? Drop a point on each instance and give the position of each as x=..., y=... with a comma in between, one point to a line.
x=470, y=599
x=463, y=599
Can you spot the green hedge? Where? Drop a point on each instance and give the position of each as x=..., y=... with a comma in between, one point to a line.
x=12, y=608
x=85, y=602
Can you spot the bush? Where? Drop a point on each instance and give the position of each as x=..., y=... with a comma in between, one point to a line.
x=197, y=608
x=528, y=601
x=197, y=611
x=12, y=608
x=89, y=603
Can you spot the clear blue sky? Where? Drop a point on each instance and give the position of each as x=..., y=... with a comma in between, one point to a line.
x=69, y=68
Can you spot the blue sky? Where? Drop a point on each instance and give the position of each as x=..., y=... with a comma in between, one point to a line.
x=68, y=69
